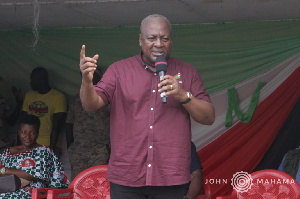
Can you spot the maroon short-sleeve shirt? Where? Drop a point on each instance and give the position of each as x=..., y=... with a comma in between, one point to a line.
x=150, y=141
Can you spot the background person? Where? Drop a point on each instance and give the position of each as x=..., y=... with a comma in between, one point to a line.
x=10, y=119
x=194, y=188
x=291, y=163
x=150, y=141
x=87, y=134
x=34, y=164
x=49, y=105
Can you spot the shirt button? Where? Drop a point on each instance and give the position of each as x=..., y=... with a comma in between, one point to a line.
x=150, y=147
x=151, y=109
x=153, y=91
x=151, y=127
x=149, y=165
x=154, y=73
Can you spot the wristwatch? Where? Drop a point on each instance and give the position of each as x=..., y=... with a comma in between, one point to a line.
x=189, y=95
x=2, y=170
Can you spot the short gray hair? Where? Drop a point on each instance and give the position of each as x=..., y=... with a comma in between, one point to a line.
x=152, y=17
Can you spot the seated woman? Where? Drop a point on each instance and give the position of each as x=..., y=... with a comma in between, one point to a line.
x=34, y=164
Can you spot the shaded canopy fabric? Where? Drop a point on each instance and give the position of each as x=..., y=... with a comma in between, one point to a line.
x=23, y=14
x=224, y=54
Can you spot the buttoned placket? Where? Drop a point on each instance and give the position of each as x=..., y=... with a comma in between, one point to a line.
x=150, y=136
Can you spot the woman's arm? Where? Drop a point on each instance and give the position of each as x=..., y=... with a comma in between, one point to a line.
x=20, y=173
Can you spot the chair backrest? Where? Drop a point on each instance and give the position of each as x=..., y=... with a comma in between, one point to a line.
x=269, y=184
x=91, y=183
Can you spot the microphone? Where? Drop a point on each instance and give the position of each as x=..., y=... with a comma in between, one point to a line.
x=161, y=68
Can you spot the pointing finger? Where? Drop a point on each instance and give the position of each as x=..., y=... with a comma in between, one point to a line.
x=82, y=52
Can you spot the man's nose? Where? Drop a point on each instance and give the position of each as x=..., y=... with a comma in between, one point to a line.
x=158, y=42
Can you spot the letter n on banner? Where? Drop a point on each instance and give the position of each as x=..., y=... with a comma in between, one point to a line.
x=233, y=105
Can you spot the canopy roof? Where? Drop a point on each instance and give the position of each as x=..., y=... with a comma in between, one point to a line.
x=23, y=14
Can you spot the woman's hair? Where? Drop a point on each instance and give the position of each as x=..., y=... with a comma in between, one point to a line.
x=31, y=120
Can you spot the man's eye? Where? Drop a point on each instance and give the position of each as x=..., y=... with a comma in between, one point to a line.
x=151, y=38
x=165, y=39
x=32, y=133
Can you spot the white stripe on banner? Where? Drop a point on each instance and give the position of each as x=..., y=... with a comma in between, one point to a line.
x=202, y=135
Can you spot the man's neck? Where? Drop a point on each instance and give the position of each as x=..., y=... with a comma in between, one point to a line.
x=44, y=90
x=153, y=69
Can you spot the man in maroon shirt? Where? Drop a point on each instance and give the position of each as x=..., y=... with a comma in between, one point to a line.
x=150, y=141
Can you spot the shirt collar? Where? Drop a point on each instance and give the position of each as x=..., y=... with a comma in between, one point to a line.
x=142, y=63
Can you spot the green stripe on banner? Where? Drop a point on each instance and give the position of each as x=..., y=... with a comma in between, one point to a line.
x=224, y=54
x=233, y=105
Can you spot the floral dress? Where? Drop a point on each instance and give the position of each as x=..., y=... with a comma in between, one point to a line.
x=41, y=163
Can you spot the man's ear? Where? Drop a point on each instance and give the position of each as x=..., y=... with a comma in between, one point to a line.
x=140, y=40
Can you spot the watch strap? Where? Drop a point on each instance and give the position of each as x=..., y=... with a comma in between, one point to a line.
x=189, y=95
x=186, y=101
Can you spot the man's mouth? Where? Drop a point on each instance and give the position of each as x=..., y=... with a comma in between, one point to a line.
x=158, y=53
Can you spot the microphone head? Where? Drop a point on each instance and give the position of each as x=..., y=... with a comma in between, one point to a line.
x=161, y=64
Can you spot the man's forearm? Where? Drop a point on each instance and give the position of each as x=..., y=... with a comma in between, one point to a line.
x=89, y=98
x=196, y=184
x=53, y=139
x=201, y=111
x=69, y=134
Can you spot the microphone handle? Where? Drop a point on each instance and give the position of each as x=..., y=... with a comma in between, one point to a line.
x=163, y=98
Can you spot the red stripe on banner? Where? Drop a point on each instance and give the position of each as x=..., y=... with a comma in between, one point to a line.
x=242, y=147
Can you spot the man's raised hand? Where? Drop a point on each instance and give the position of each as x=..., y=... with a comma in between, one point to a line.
x=87, y=65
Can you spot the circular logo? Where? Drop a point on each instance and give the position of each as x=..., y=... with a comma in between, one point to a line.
x=241, y=181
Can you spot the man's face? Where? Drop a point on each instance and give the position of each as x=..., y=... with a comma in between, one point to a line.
x=36, y=82
x=155, y=40
x=27, y=163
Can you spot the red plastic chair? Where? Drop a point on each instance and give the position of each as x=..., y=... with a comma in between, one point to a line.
x=89, y=184
x=267, y=184
x=40, y=193
x=206, y=194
